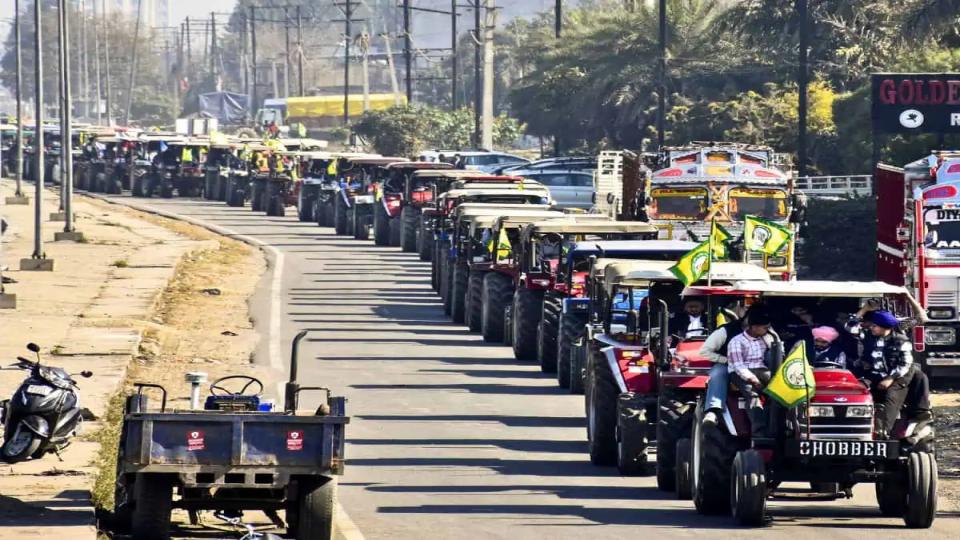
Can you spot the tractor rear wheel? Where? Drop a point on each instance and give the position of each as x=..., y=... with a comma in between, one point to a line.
x=527, y=309
x=339, y=215
x=921, y=506
x=434, y=266
x=547, y=335
x=892, y=497
x=571, y=330
x=381, y=225
x=409, y=220
x=683, y=469
x=458, y=292
x=674, y=418
x=424, y=241
x=494, y=299
x=602, y=413
x=474, y=305
x=713, y=453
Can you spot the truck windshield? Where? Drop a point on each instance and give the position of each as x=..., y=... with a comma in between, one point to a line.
x=766, y=203
x=679, y=203
x=942, y=236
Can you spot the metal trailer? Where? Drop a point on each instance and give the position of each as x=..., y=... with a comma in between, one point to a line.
x=231, y=457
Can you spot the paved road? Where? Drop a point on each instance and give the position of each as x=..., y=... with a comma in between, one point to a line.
x=452, y=438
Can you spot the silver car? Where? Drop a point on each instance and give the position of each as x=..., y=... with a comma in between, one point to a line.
x=570, y=189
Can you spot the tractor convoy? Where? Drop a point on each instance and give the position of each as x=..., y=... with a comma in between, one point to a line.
x=622, y=303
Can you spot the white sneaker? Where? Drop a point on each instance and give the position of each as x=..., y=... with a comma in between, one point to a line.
x=709, y=419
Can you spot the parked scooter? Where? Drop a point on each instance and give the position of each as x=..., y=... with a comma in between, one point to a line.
x=43, y=414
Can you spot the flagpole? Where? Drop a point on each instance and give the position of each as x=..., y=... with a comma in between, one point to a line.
x=806, y=386
x=710, y=261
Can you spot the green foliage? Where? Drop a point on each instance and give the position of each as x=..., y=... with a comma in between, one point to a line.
x=822, y=256
x=408, y=130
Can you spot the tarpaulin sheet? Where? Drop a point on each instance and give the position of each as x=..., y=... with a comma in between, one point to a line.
x=227, y=107
x=320, y=106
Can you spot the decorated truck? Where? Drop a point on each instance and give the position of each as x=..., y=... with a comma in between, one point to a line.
x=918, y=247
x=683, y=189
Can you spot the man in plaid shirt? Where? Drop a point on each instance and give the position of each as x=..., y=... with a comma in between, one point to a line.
x=747, y=363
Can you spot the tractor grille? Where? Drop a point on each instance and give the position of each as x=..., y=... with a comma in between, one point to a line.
x=942, y=299
x=839, y=426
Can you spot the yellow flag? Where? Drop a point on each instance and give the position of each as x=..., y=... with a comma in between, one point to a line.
x=718, y=240
x=504, y=247
x=332, y=168
x=793, y=383
x=766, y=236
x=692, y=266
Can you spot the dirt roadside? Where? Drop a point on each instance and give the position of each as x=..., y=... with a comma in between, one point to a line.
x=170, y=295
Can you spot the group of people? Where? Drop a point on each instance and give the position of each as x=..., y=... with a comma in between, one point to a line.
x=870, y=344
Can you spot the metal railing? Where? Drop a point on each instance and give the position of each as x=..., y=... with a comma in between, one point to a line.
x=858, y=184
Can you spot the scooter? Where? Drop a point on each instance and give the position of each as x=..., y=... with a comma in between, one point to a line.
x=44, y=413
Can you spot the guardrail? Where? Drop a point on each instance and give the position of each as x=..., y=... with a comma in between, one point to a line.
x=858, y=184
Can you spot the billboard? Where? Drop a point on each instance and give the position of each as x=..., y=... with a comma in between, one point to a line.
x=916, y=102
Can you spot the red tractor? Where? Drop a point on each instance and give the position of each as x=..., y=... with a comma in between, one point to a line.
x=390, y=199
x=832, y=442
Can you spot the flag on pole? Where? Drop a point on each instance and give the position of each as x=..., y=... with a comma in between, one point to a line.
x=766, y=236
x=718, y=240
x=793, y=383
x=504, y=247
x=692, y=266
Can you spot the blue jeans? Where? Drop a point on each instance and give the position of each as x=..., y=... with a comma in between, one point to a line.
x=717, y=389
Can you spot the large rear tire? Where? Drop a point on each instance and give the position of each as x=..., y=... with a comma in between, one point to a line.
x=527, y=309
x=548, y=332
x=602, y=413
x=748, y=489
x=153, y=502
x=435, y=265
x=713, y=453
x=571, y=330
x=339, y=215
x=458, y=299
x=921, y=508
x=424, y=241
x=494, y=299
x=315, y=511
x=381, y=225
x=409, y=221
x=674, y=419
x=474, y=306
x=683, y=469
x=395, y=233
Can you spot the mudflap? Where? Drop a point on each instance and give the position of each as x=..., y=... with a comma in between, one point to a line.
x=636, y=427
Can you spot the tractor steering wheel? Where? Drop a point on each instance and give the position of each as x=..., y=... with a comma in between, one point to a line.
x=217, y=389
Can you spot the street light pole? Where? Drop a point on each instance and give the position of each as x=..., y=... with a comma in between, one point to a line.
x=66, y=129
x=19, y=192
x=407, y=52
x=802, y=82
x=455, y=60
x=38, y=130
x=662, y=92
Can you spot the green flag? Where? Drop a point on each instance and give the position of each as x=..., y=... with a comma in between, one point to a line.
x=794, y=382
x=766, y=236
x=718, y=240
x=693, y=265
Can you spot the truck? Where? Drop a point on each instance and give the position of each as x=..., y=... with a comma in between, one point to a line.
x=683, y=189
x=918, y=247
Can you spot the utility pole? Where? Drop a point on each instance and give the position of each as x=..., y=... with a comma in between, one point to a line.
x=346, y=62
x=662, y=93
x=407, y=50
x=37, y=141
x=66, y=128
x=299, y=53
x=287, y=68
x=62, y=76
x=253, y=52
x=802, y=82
x=491, y=18
x=84, y=61
x=477, y=81
x=106, y=60
x=96, y=54
x=133, y=65
x=16, y=24
x=558, y=18
x=394, y=84
x=213, y=45
x=455, y=60
x=365, y=50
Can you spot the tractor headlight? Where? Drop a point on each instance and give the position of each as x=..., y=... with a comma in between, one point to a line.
x=941, y=313
x=776, y=261
x=860, y=411
x=939, y=335
x=821, y=412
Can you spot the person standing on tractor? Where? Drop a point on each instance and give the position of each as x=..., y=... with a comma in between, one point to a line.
x=747, y=364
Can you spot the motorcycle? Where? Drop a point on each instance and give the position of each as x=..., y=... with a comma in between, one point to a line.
x=44, y=413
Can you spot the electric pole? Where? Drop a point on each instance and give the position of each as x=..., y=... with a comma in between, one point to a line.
x=287, y=68
x=346, y=62
x=16, y=25
x=662, y=93
x=299, y=53
x=407, y=50
x=84, y=61
x=96, y=54
x=365, y=51
x=491, y=17
x=62, y=77
x=455, y=61
x=66, y=128
x=477, y=81
x=38, y=146
x=802, y=82
x=558, y=18
x=106, y=60
x=213, y=45
x=133, y=65
x=253, y=52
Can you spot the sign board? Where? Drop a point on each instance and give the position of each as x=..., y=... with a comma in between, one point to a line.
x=916, y=102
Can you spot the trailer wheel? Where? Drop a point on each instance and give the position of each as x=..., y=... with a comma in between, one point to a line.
x=674, y=417
x=153, y=501
x=381, y=225
x=748, y=488
x=683, y=468
x=921, y=505
x=474, y=304
x=458, y=293
x=494, y=298
x=713, y=453
x=315, y=509
x=547, y=334
x=527, y=309
x=409, y=220
x=602, y=413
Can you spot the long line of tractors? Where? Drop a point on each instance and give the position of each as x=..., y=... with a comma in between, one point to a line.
x=591, y=297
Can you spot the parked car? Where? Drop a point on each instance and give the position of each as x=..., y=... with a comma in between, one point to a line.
x=570, y=189
x=568, y=163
